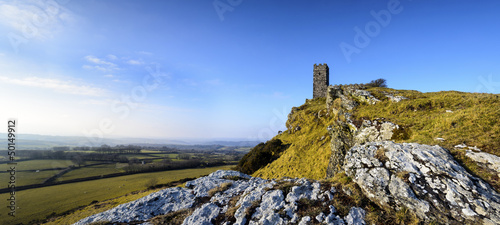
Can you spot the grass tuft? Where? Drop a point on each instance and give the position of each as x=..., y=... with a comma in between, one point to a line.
x=172, y=218
x=219, y=189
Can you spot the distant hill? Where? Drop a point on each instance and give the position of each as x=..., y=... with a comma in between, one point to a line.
x=40, y=142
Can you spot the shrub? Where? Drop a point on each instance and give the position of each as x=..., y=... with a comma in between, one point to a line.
x=377, y=83
x=261, y=155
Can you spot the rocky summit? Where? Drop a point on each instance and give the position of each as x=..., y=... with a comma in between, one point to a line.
x=231, y=197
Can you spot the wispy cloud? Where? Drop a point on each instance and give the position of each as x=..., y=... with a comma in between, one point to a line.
x=214, y=82
x=34, y=19
x=163, y=108
x=135, y=62
x=56, y=85
x=279, y=95
x=275, y=95
x=96, y=60
x=109, y=75
x=120, y=81
x=189, y=82
x=96, y=102
x=145, y=53
x=112, y=57
x=99, y=64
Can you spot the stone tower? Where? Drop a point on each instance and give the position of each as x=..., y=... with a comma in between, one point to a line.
x=321, y=80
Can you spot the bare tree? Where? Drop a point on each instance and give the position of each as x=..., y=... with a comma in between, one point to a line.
x=377, y=83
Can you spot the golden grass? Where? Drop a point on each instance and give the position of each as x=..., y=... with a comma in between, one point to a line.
x=474, y=120
x=308, y=154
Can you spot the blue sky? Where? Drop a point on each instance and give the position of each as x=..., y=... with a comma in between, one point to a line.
x=225, y=68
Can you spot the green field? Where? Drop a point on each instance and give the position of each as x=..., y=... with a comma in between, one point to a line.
x=41, y=202
x=26, y=171
x=27, y=178
x=39, y=164
x=90, y=171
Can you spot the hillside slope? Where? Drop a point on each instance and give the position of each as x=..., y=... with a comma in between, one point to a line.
x=447, y=119
x=309, y=150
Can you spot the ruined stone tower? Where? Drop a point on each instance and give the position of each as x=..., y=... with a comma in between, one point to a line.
x=321, y=80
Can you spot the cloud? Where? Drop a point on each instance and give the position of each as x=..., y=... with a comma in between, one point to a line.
x=96, y=60
x=135, y=62
x=279, y=95
x=35, y=19
x=275, y=95
x=144, y=53
x=189, y=82
x=214, y=82
x=56, y=85
x=100, y=64
x=109, y=75
x=163, y=108
x=112, y=57
x=96, y=102
x=120, y=81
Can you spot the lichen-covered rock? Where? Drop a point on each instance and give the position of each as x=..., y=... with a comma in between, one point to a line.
x=260, y=202
x=203, y=215
x=490, y=161
x=371, y=131
x=350, y=96
x=364, y=96
x=425, y=179
x=272, y=201
x=341, y=142
x=356, y=216
x=158, y=203
x=395, y=98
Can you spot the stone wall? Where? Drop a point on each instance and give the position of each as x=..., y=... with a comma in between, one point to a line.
x=321, y=80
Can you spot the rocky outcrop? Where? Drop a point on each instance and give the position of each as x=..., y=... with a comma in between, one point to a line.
x=350, y=96
x=158, y=203
x=425, y=179
x=244, y=200
x=396, y=98
x=342, y=140
x=344, y=132
x=489, y=161
x=376, y=130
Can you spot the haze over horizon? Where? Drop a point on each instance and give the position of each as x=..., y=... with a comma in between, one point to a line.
x=225, y=69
